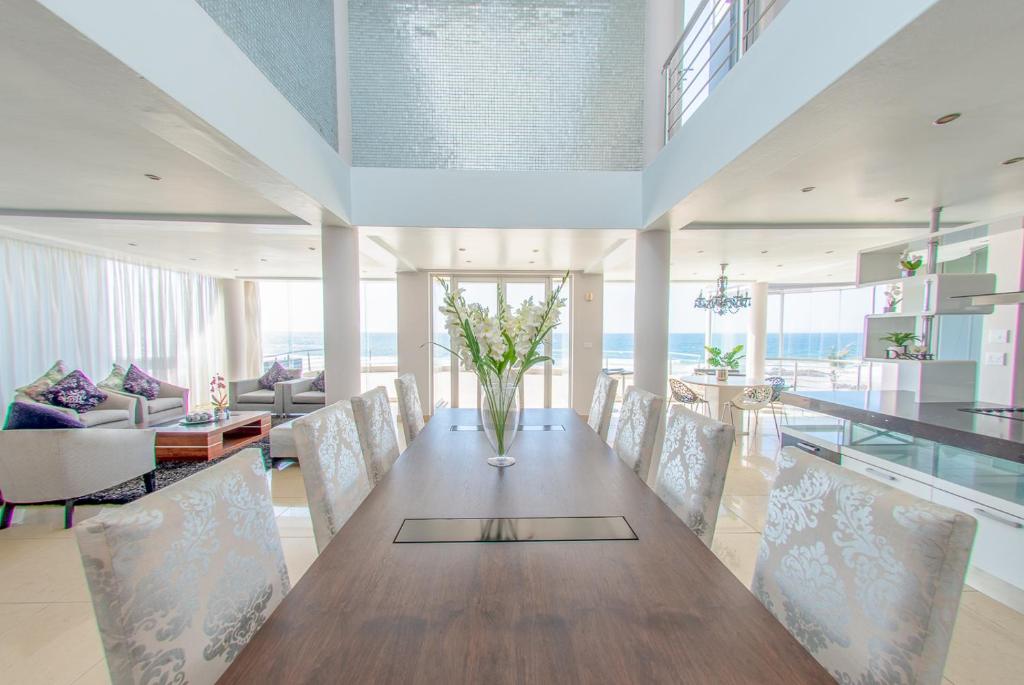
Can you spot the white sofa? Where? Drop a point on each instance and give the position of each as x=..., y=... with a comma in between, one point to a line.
x=64, y=464
x=247, y=395
x=299, y=397
x=117, y=411
x=171, y=403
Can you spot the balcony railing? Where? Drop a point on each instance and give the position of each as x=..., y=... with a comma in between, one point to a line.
x=714, y=39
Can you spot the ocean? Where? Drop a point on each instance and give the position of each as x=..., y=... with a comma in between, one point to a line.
x=382, y=348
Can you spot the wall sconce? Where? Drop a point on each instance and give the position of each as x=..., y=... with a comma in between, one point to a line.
x=589, y=297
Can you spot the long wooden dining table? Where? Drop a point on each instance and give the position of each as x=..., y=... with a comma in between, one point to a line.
x=661, y=608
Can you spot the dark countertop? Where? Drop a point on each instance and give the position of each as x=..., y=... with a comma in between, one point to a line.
x=942, y=422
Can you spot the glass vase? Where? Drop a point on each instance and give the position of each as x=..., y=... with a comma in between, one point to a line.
x=499, y=416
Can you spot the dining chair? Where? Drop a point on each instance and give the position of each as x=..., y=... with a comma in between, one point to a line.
x=867, y=577
x=376, y=427
x=683, y=393
x=778, y=384
x=182, y=579
x=600, y=417
x=409, y=408
x=691, y=472
x=636, y=430
x=753, y=399
x=333, y=470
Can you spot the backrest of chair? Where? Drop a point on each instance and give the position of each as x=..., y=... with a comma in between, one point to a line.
x=691, y=472
x=867, y=577
x=778, y=383
x=636, y=429
x=376, y=426
x=409, y=406
x=601, y=405
x=333, y=470
x=181, y=579
x=758, y=393
x=681, y=392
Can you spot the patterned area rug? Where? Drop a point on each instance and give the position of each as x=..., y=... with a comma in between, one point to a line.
x=169, y=472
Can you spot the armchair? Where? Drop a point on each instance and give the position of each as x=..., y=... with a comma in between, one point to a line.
x=117, y=411
x=64, y=464
x=170, y=403
x=247, y=395
x=299, y=397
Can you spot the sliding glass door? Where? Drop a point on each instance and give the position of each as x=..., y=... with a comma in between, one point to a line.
x=546, y=384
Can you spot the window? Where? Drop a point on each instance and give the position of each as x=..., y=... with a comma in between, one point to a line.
x=292, y=324
x=378, y=308
x=687, y=330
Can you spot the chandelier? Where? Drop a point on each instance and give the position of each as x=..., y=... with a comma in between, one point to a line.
x=721, y=302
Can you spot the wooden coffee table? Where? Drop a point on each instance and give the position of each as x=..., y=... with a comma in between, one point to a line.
x=210, y=440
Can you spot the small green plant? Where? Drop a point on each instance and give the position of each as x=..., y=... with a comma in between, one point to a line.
x=899, y=339
x=730, y=359
x=910, y=262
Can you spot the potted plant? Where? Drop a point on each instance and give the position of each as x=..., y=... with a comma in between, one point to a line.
x=892, y=297
x=899, y=340
x=219, y=397
x=909, y=264
x=723, y=362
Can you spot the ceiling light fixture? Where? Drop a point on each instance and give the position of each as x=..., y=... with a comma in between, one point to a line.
x=536, y=251
x=901, y=199
x=462, y=249
x=764, y=251
x=829, y=251
x=133, y=244
x=700, y=251
x=721, y=302
x=262, y=260
x=1013, y=160
x=193, y=259
x=152, y=177
x=946, y=119
x=311, y=248
x=806, y=189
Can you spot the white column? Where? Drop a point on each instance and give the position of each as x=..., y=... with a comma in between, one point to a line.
x=340, y=248
x=757, y=330
x=234, y=328
x=414, y=330
x=650, y=327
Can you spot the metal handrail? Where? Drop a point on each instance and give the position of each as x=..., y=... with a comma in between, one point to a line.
x=686, y=32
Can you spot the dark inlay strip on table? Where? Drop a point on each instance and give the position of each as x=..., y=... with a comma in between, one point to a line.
x=469, y=428
x=516, y=529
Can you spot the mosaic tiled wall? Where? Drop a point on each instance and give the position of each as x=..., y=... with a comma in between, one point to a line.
x=292, y=43
x=497, y=84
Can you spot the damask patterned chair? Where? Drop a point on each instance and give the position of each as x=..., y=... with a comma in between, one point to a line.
x=691, y=473
x=754, y=398
x=333, y=469
x=376, y=427
x=409, y=407
x=636, y=430
x=684, y=394
x=600, y=417
x=867, y=577
x=183, y=578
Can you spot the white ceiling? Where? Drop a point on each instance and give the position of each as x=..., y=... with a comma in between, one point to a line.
x=868, y=138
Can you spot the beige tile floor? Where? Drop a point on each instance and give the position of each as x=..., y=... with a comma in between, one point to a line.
x=48, y=631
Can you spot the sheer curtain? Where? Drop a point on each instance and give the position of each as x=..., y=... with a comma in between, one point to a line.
x=92, y=311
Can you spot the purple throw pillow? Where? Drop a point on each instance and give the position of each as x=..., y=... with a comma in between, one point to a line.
x=275, y=374
x=75, y=391
x=29, y=415
x=138, y=382
x=318, y=382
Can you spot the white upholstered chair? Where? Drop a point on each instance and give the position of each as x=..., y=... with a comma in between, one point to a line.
x=376, y=427
x=867, y=577
x=183, y=578
x=601, y=405
x=333, y=469
x=409, y=407
x=691, y=472
x=636, y=430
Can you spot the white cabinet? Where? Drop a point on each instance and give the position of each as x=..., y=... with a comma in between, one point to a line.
x=872, y=469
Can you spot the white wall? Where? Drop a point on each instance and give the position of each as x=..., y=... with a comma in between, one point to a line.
x=810, y=45
x=343, y=91
x=587, y=337
x=414, y=330
x=178, y=48
x=662, y=27
x=1004, y=384
x=474, y=199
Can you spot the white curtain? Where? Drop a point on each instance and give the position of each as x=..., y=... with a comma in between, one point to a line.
x=92, y=311
x=253, y=331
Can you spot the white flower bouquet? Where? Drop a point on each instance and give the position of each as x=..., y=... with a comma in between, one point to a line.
x=500, y=349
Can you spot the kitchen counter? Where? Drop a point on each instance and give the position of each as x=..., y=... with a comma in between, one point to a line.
x=942, y=422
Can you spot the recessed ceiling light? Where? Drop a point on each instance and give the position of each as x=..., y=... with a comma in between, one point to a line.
x=764, y=251
x=234, y=269
x=947, y=118
x=700, y=251
x=469, y=261
x=536, y=251
x=311, y=248
x=152, y=177
x=694, y=273
x=262, y=260
x=778, y=266
x=828, y=275
x=829, y=251
x=1013, y=160
x=462, y=249
x=806, y=189
x=133, y=244
x=531, y=261
x=901, y=199
x=193, y=259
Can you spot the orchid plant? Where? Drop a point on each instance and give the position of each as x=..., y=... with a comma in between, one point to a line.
x=500, y=347
x=219, y=392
